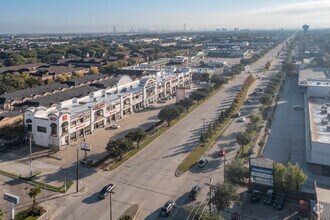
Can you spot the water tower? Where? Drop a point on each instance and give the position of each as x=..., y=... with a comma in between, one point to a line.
x=305, y=27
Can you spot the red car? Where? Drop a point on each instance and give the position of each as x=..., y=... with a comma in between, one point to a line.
x=222, y=153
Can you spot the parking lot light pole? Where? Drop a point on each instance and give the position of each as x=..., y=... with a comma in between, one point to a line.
x=30, y=141
x=77, y=173
x=111, y=192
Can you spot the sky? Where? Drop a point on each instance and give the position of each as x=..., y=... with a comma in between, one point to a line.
x=49, y=16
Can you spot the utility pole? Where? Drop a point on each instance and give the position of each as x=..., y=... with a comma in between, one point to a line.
x=110, y=206
x=224, y=168
x=210, y=208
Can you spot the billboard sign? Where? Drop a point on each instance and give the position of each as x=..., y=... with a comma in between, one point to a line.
x=262, y=175
x=85, y=146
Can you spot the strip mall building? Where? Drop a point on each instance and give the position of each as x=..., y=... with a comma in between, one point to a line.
x=68, y=120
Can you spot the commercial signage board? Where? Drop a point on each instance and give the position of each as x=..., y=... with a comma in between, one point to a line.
x=262, y=175
x=11, y=198
x=85, y=146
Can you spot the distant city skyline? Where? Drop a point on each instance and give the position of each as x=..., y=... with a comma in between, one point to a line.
x=39, y=16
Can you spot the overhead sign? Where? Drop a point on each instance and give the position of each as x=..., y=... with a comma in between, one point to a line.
x=85, y=146
x=11, y=198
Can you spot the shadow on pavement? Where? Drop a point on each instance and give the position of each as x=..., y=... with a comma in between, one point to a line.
x=92, y=199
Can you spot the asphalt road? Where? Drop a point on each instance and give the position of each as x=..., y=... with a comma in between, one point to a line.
x=148, y=178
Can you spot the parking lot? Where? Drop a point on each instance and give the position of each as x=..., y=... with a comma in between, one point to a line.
x=258, y=210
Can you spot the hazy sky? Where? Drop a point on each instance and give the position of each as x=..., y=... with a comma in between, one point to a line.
x=32, y=16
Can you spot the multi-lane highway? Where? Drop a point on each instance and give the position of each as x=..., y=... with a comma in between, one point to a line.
x=148, y=178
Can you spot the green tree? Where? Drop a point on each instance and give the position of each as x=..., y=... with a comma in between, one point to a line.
x=117, y=148
x=168, y=114
x=223, y=195
x=218, y=81
x=137, y=136
x=266, y=99
x=186, y=103
x=1, y=214
x=279, y=176
x=243, y=139
x=93, y=71
x=33, y=193
x=236, y=172
x=203, y=138
x=295, y=177
x=197, y=95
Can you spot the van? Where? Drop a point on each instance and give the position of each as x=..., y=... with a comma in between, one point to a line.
x=268, y=197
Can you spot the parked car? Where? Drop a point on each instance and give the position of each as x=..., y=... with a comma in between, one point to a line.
x=151, y=106
x=168, y=208
x=259, y=89
x=242, y=119
x=194, y=192
x=162, y=101
x=298, y=107
x=268, y=197
x=105, y=190
x=278, y=201
x=238, y=114
x=115, y=126
x=248, y=101
x=202, y=162
x=255, y=196
x=222, y=153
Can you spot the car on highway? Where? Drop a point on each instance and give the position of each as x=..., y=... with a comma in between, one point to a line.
x=278, y=201
x=194, y=192
x=222, y=153
x=168, y=208
x=202, y=162
x=298, y=107
x=242, y=119
x=255, y=196
x=105, y=190
x=115, y=126
x=268, y=197
x=238, y=114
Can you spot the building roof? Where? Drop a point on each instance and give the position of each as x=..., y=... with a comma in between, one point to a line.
x=108, y=83
x=87, y=78
x=310, y=74
x=40, y=90
x=49, y=100
x=261, y=162
x=20, y=67
x=319, y=132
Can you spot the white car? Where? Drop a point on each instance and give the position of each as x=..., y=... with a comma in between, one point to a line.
x=242, y=119
x=115, y=126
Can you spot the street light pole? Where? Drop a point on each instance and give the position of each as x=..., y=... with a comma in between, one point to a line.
x=203, y=119
x=224, y=168
x=77, y=177
x=30, y=140
x=110, y=206
x=210, y=208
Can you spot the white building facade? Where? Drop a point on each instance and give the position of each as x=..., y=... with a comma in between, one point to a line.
x=69, y=120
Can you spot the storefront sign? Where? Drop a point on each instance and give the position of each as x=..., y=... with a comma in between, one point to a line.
x=64, y=117
x=80, y=126
x=52, y=118
x=99, y=106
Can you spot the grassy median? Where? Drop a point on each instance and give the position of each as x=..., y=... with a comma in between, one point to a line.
x=150, y=139
x=193, y=157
